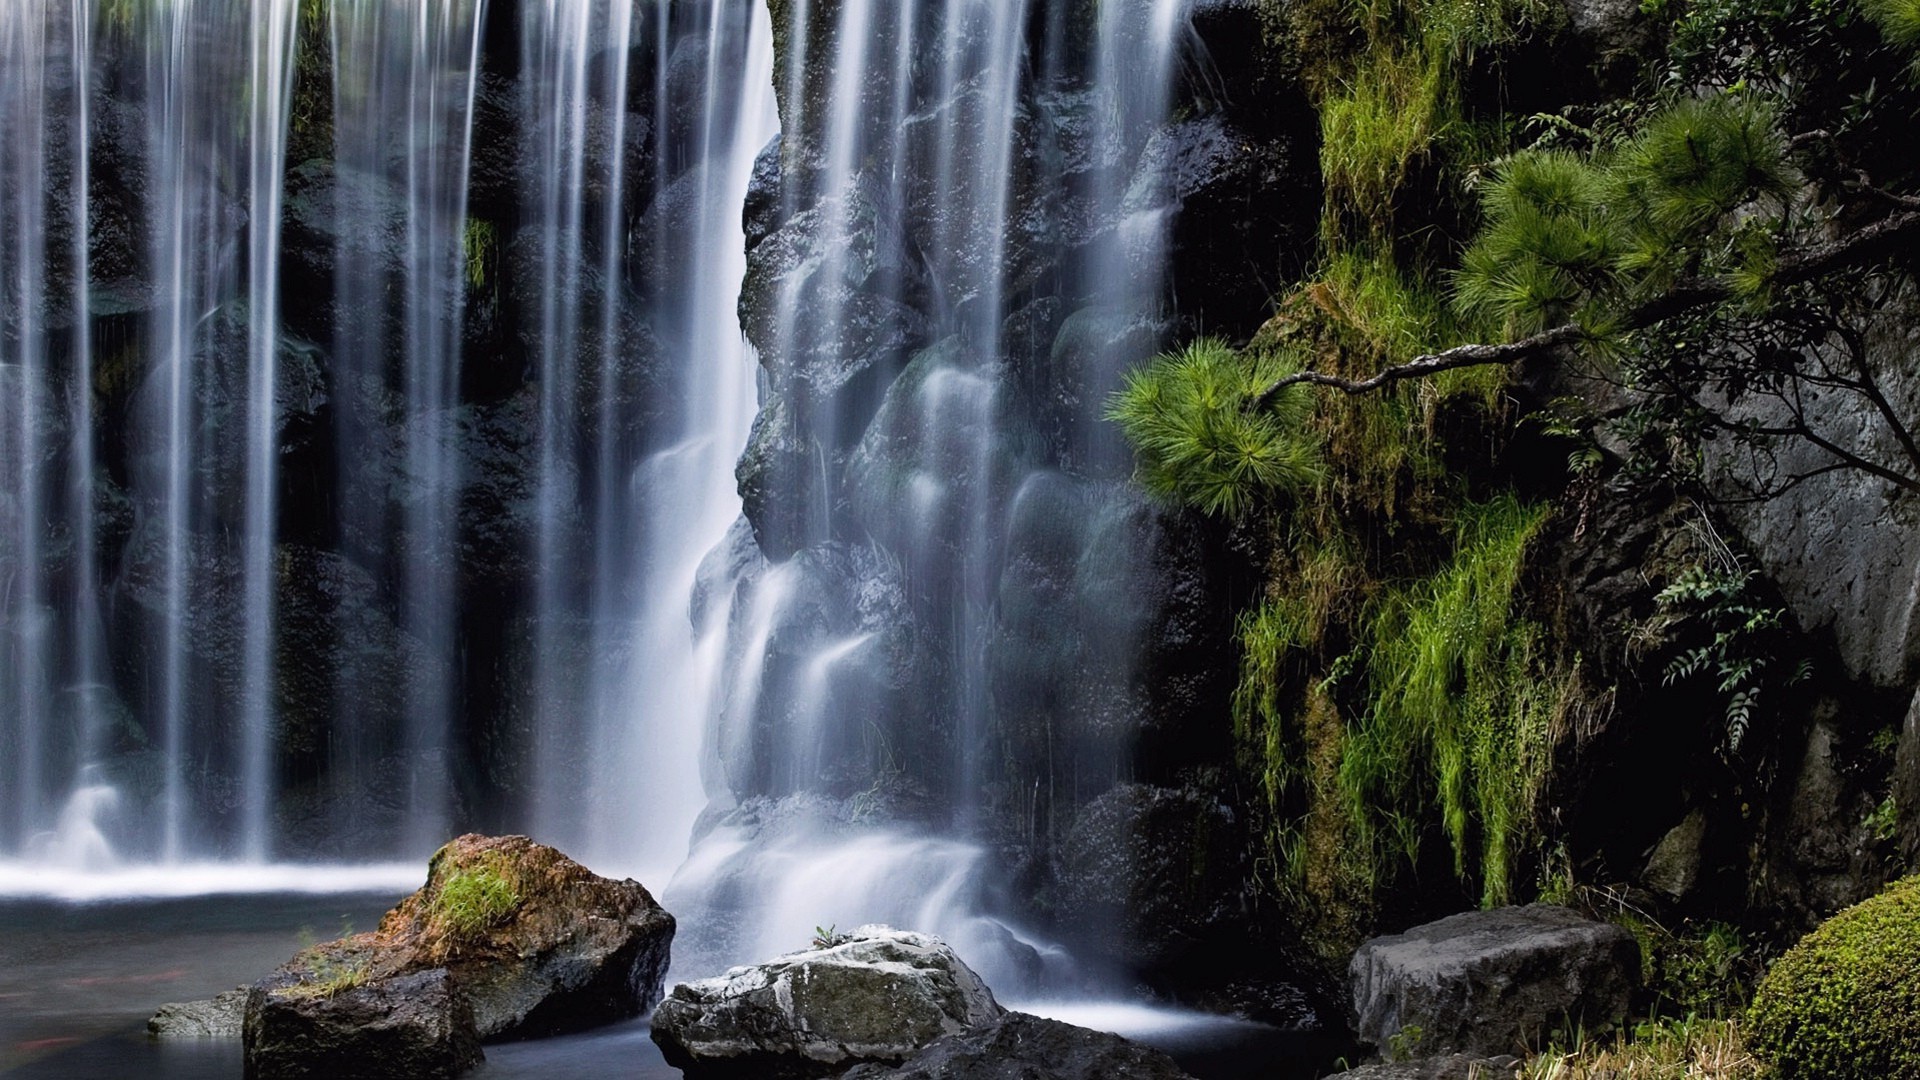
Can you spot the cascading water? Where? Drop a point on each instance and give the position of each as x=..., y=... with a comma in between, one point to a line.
x=389, y=486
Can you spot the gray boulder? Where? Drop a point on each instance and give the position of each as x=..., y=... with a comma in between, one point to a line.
x=879, y=996
x=1022, y=1047
x=220, y=1017
x=1492, y=981
x=410, y=1027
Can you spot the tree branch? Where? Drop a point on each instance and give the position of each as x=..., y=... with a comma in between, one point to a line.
x=1889, y=236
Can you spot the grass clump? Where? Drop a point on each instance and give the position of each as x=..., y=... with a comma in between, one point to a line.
x=1843, y=1003
x=472, y=900
x=1457, y=692
x=1679, y=1050
x=1197, y=440
x=327, y=974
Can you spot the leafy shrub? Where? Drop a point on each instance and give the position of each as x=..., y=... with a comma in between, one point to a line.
x=1842, y=1004
x=1198, y=441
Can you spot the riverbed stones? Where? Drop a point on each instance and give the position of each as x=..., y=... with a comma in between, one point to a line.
x=876, y=996
x=1023, y=1047
x=1490, y=982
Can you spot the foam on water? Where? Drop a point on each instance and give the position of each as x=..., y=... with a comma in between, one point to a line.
x=20, y=880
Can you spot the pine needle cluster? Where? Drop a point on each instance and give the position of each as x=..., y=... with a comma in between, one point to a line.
x=1197, y=440
x=1571, y=238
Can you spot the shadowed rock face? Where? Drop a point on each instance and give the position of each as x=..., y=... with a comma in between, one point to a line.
x=1022, y=1047
x=219, y=1017
x=880, y=996
x=1491, y=981
x=508, y=939
x=417, y=1025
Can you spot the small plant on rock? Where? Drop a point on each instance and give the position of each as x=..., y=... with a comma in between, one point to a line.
x=471, y=901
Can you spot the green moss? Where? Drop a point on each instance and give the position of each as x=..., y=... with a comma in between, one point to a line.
x=1843, y=1003
x=481, y=242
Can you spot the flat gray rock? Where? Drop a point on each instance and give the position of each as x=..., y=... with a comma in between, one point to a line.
x=219, y=1017
x=1492, y=982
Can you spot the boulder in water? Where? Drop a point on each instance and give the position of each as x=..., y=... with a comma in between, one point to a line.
x=1022, y=1047
x=541, y=944
x=876, y=996
x=508, y=939
x=416, y=1026
x=219, y=1017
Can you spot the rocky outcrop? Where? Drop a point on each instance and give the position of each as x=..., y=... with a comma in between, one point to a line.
x=1492, y=981
x=1029, y=1048
x=878, y=996
x=416, y=1026
x=557, y=948
x=220, y=1017
x=508, y=939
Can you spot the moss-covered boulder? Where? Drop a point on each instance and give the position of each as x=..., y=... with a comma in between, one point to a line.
x=1844, y=1004
x=508, y=939
x=541, y=944
x=876, y=996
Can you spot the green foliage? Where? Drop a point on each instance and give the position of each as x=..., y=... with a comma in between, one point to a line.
x=1197, y=440
x=1899, y=20
x=1572, y=238
x=826, y=937
x=481, y=243
x=472, y=900
x=1458, y=691
x=1841, y=1005
x=1743, y=649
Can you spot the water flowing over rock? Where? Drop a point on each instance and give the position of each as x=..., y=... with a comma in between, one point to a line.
x=879, y=995
x=1489, y=982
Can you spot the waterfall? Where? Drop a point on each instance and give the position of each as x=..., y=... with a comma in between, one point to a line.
x=379, y=374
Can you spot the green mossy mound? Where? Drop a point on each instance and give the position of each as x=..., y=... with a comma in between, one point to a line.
x=1844, y=1004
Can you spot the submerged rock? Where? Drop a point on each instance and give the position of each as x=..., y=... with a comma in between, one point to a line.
x=878, y=996
x=1492, y=981
x=1022, y=1047
x=508, y=939
x=219, y=1017
x=416, y=1026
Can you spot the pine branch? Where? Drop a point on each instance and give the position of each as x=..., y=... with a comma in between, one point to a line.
x=1887, y=237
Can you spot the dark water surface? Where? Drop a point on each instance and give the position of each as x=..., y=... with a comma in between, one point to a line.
x=78, y=981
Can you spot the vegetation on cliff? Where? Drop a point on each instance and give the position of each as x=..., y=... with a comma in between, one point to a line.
x=1706, y=245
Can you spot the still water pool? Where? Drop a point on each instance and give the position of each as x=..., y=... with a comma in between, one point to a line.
x=79, y=979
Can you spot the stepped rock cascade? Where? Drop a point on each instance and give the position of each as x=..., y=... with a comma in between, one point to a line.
x=674, y=428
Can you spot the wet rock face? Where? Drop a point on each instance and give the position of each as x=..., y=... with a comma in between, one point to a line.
x=880, y=996
x=1029, y=1048
x=1151, y=875
x=417, y=1026
x=1486, y=982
